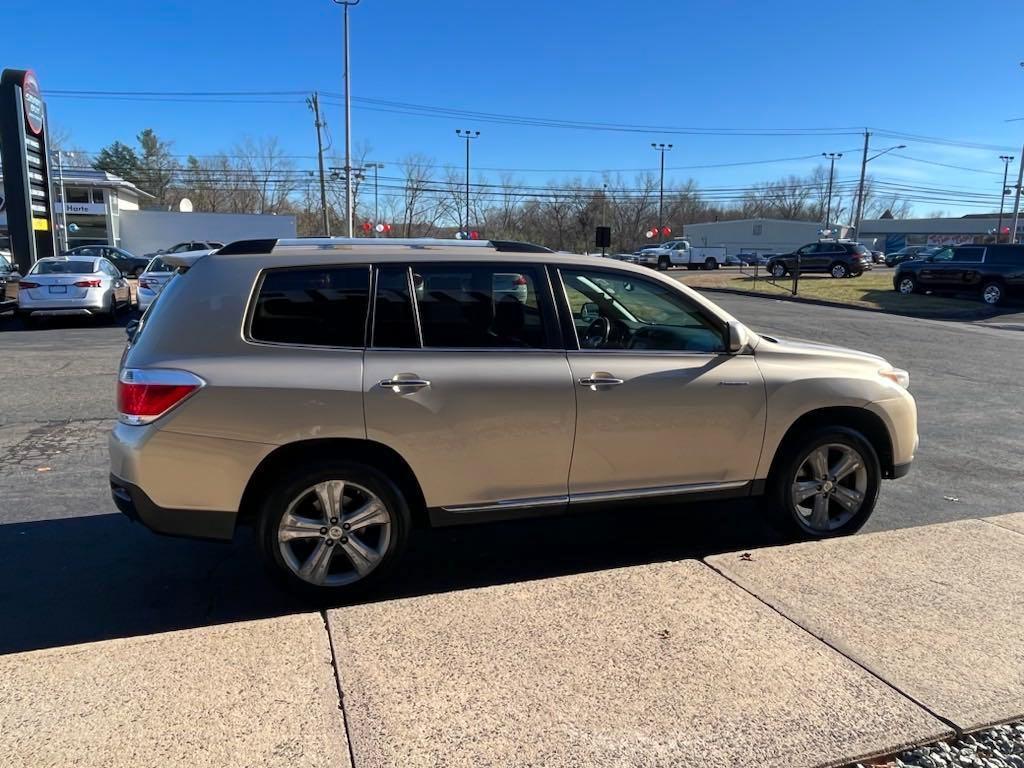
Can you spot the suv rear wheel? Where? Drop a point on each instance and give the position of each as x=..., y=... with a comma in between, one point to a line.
x=826, y=484
x=839, y=270
x=336, y=526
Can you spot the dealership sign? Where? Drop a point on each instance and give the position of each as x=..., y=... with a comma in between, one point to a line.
x=25, y=158
x=88, y=208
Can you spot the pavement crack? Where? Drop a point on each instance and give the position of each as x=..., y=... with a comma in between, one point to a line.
x=337, y=683
x=845, y=653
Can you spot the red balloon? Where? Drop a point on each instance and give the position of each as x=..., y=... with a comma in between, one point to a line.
x=387, y=227
x=666, y=231
x=367, y=226
x=474, y=235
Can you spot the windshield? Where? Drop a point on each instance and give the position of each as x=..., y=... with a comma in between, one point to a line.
x=63, y=268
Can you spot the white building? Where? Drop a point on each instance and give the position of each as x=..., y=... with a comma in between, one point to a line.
x=757, y=235
x=104, y=209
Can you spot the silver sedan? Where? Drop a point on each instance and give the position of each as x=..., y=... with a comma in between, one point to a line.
x=73, y=285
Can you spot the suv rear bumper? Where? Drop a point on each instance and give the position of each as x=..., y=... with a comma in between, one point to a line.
x=134, y=504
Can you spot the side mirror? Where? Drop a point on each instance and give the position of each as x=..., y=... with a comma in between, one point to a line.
x=738, y=337
x=590, y=311
x=131, y=328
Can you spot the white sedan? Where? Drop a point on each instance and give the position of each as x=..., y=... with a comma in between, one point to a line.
x=73, y=285
x=152, y=280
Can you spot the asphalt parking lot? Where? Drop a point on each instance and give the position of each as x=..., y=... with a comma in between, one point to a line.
x=74, y=571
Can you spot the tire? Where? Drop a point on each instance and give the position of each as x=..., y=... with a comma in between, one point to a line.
x=777, y=270
x=794, y=466
x=363, y=484
x=109, y=316
x=839, y=270
x=663, y=263
x=710, y=263
x=906, y=285
x=993, y=292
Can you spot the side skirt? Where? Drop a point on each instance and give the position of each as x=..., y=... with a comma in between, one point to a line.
x=590, y=502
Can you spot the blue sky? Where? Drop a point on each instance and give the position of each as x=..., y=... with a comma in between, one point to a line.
x=940, y=68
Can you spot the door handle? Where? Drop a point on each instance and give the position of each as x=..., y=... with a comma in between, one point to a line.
x=403, y=382
x=600, y=379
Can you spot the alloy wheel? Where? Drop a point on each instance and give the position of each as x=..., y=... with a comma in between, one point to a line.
x=778, y=270
x=829, y=488
x=992, y=294
x=334, y=533
x=906, y=286
x=839, y=271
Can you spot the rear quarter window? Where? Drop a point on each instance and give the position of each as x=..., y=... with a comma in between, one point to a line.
x=313, y=306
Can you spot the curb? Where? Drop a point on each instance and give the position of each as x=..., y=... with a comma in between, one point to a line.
x=964, y=315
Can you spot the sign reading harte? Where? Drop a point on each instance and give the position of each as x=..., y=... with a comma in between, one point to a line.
x=25, y=158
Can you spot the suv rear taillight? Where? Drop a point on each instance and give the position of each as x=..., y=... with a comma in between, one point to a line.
x=91, y=283
x=144, y=395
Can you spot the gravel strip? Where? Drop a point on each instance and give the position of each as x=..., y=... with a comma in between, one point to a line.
x=998, y=747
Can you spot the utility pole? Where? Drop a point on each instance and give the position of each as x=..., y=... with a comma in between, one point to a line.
x=467, y=135
x=662, y=148
x=1007, y=159
x=832, y=156
x=314, y=104
x=376, y=206
x=1016, y=197
x=860, y=187
x=348, y=122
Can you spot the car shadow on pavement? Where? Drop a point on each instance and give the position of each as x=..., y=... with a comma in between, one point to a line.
x=83, y=579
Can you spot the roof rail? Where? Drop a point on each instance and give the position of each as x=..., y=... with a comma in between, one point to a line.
x=263, y=245
x=409, y=242
x=516, y=246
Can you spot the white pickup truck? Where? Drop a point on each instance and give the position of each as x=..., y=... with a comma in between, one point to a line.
x=678, y=253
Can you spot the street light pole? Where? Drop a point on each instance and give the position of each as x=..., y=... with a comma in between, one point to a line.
x=63, y=198
x=467, y=135
x=832, y=156
x=1007, y=159
x=860, y=187
x=348, y=121
x=662, y=148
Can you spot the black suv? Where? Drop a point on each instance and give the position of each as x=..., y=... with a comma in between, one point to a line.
x=128, y=263
x=990, y=271
x=835, y=257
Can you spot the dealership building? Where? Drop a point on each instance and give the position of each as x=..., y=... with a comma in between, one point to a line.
x=104, y=209
x=764, y=236
x=892, y=234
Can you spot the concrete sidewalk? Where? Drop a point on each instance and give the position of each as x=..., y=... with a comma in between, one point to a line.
x=807, y=655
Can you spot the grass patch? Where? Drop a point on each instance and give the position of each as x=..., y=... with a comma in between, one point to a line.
x=871, y=290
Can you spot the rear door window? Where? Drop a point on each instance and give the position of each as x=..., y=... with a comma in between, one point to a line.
x=968, y=253
x=394, y=317
x=505, y=306
x=314, y=306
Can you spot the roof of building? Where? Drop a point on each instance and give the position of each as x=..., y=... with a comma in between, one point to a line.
x=95, y=178
x=760, y=219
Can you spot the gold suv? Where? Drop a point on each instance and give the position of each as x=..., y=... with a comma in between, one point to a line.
x=334, y=393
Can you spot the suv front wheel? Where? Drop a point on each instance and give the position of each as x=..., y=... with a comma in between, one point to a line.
x=778, y=269
x=336, y=526
x=826, y=484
